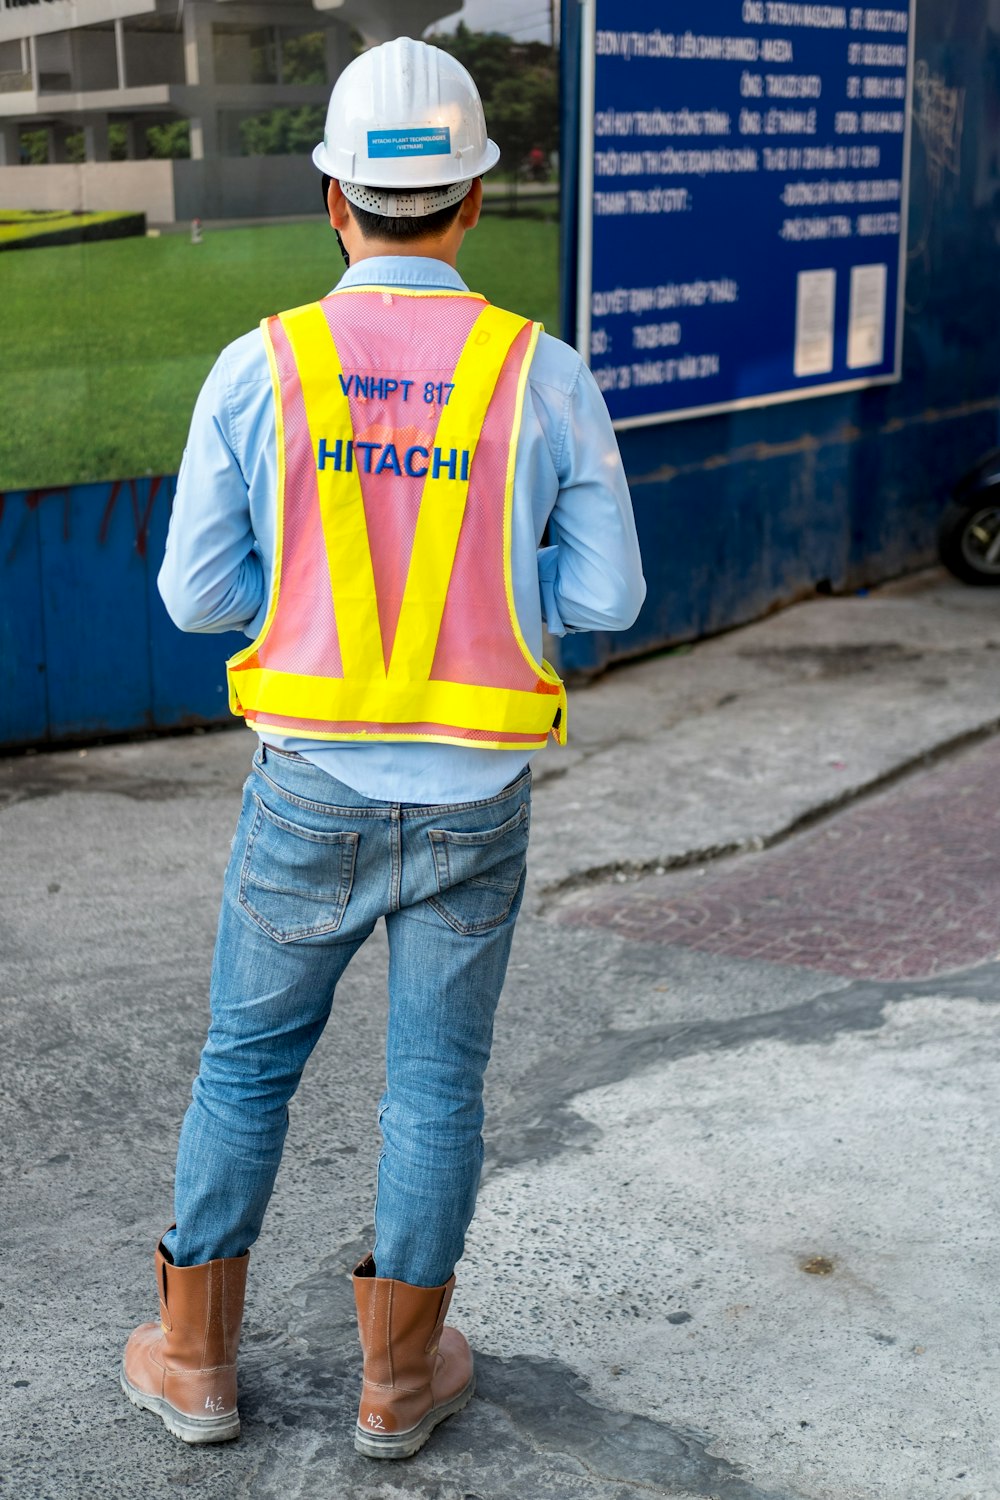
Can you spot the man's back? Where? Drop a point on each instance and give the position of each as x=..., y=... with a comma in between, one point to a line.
x=218, y=569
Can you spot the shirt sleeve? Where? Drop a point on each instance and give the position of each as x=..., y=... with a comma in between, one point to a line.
x=591, y=574
x=211, y=578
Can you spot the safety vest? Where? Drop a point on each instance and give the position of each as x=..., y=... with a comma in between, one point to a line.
x=391, y=614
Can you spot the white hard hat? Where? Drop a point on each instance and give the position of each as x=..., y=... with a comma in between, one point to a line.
x=405, y=131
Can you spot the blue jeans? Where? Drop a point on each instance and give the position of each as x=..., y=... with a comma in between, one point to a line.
x=313, y=867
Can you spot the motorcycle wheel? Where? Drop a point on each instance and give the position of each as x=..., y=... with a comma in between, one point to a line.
x=969, y=542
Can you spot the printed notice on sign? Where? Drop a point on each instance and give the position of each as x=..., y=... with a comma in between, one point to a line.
x=866, y=316
x=744, y=202
x=814, y=322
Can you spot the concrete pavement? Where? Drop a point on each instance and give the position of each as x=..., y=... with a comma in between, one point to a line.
x=737, y=1231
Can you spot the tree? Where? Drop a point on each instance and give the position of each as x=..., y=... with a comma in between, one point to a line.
x=524, y=113
x=303, y=58
x=35, y=147
x=282, y=132
x=169, y=142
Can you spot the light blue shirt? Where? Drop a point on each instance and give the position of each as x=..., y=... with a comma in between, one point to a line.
x=217, y=571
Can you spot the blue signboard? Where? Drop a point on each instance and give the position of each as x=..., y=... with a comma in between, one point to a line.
x=743, y=200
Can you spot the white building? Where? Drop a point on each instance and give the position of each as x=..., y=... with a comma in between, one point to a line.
x=72, y=67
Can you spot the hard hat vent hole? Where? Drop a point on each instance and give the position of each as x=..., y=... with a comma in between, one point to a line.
x=415, y=205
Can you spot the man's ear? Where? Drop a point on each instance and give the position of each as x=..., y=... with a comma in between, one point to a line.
x=337, y=205
x=472, y=204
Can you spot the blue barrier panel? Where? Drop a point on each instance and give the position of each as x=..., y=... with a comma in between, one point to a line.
x=23, y=707
x=86, y=646
x=746, y=514
x=188, y=671
x=93, y=597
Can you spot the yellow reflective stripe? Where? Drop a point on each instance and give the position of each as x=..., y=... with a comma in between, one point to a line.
x=402, y=736
x=542, y=669
x=279, y=433
x=558, y=730
x=442, y=502
x=334, y=700
x=342, y=509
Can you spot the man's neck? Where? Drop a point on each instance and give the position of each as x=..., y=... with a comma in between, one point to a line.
x=427, y=249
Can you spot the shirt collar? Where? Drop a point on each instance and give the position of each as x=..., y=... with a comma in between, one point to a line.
x=403, y=270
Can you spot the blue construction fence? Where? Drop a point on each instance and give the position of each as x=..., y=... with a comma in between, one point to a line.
x=86, y=646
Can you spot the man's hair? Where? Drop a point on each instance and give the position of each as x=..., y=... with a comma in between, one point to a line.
x=382, y=227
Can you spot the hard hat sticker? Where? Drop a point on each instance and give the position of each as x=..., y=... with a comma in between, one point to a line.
x=420, y=140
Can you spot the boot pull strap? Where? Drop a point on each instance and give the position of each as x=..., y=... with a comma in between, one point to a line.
x=165, y=1318
x=442, y=1311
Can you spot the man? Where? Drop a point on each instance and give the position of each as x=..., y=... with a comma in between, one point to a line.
x=365, y=486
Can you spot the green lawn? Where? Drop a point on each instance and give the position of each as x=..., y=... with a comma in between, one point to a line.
x=106, y=345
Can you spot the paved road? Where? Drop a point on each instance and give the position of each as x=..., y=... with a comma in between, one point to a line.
x=737, y=1233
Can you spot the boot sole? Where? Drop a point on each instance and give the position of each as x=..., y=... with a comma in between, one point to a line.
x=405, y=1444
x=188, y=1429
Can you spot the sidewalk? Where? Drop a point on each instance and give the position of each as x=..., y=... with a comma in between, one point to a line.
x=737, y=1229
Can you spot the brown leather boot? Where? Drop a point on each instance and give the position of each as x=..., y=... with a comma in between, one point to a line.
x=184, y=1367
x=417, y=1372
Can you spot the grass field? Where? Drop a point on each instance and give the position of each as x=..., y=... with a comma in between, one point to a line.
x=105, y=345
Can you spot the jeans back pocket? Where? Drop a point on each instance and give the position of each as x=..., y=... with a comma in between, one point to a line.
x=479, y=873
x=295, y=882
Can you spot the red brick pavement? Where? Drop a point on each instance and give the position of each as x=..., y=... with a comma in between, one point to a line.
x=903, y=885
